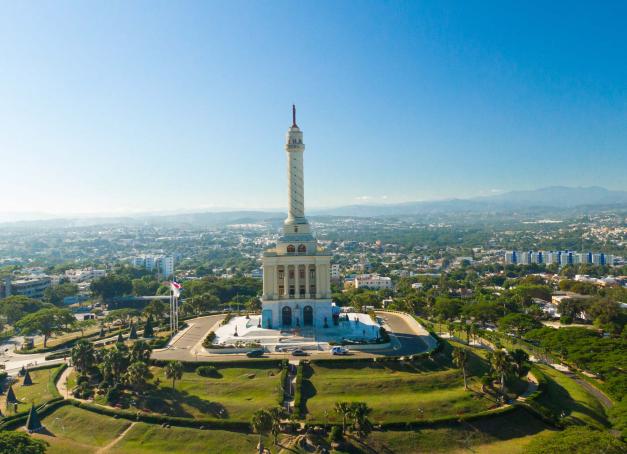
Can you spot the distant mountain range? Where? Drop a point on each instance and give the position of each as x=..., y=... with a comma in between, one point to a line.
x=558, y=197
x=555, y=198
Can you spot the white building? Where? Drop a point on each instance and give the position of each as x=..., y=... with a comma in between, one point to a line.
x=373, y=282
x=335, y=272
x=162, y=263
x=296, y=273
x=84, y=275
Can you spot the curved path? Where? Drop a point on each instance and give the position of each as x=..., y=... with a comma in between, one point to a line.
x=408, y=338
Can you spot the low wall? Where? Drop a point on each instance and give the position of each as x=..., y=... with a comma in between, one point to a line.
x=369, y=347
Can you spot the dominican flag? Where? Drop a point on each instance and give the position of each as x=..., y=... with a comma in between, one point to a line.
x=176, y=288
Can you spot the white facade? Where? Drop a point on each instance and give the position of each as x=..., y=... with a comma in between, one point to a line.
x=373, y=282
x=162, y=263
x=84, y=275
x=335, y=272
x=296, y=273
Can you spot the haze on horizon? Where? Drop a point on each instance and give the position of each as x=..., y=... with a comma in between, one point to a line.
x=116, y=107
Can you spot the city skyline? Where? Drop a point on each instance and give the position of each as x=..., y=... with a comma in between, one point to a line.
x=117, y=108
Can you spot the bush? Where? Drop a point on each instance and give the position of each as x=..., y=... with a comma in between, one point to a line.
x=208, y=371
x=207, y=343
x=566, y=320
x=298, y=395
x=83, y=391
x=336, y=434
x=113, y=394
x=281, y=390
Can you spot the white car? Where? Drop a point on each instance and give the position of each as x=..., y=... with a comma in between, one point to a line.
x=339, y=350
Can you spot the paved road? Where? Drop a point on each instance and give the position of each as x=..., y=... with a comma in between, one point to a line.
x=409, y=337
x=180, y=349
x=605, y=401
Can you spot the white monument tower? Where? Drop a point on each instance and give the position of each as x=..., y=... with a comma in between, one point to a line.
x=296, y=280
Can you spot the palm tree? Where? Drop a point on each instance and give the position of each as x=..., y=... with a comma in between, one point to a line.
x=520, y=358
x=174, y=370
x=82, y=356
x=502, y=365
x=140, y=351
x=137, y=374
x=115, y=362
x=261, y=423
x=344, y=409
x=278, y=414
x=460, y=359
x=359, y=413
x=451, y=329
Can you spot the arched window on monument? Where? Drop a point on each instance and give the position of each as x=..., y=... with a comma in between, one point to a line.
x=302, y=249
x=291, y=249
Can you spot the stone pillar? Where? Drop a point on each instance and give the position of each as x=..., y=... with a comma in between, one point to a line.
x=297, y=281
x=307, y=281
x=273, y=273
x=318, y=287
x=286, y=280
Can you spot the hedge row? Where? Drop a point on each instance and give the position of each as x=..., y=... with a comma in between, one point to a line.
x=19, y=419
x=282, y=386
x=54, y=378
x=70, y=343
x=191, y=366
x=150, y=418
x=298, y=388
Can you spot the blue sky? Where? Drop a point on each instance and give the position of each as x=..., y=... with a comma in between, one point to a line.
x=144, y=106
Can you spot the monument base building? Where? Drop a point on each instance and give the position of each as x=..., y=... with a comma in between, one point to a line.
x=296, y=273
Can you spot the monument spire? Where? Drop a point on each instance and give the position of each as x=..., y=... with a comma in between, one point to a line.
x=296, y=199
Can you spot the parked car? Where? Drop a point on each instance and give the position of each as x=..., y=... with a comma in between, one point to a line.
x=299, y=352
x=255, y=353
x=339, y=350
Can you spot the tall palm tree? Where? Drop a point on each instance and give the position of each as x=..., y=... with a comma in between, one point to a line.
x=137, y=374
x=83, y=356
x=174, y=371
x=520, y=358
x=344, y=409
x=451, y=329
x=262, y=424
x=359, y=412
x=502, y=364
x=460, y=359
x=278, y=414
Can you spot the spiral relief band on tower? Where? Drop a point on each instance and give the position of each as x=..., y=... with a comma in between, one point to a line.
x=295, y=180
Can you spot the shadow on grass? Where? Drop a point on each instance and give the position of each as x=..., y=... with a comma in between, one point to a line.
x=558, y=399
x=518, y=423
x=170, y=402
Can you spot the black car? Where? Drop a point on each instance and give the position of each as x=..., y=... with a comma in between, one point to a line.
x=255, y=353
x=299, y=353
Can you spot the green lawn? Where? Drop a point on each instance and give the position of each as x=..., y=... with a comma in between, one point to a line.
x=564, y=394
x=508, y=433
x=395, y=392
x=148, y=438
x=236, y=394
x=38, y=392
x=72, y=430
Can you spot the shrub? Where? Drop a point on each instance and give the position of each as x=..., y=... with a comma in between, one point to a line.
x=208, y=371
x=298, y=395
x=336, y=434
x=207, y=343
x=113, y=394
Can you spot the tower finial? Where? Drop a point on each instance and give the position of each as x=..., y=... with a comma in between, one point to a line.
x=294, y=115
